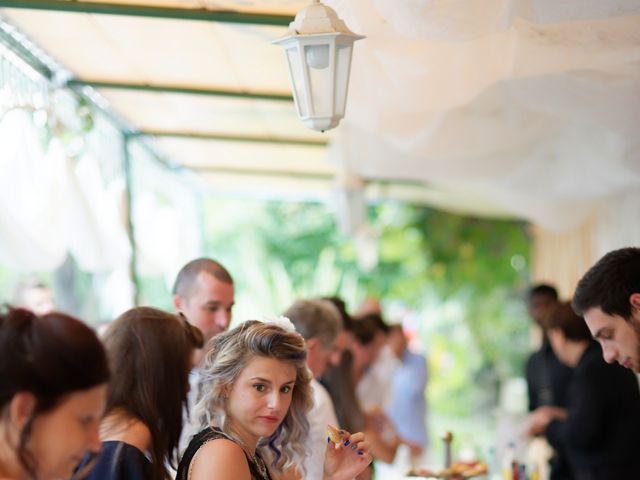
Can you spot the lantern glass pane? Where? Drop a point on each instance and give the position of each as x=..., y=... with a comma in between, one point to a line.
x=297, y=79
x=320, y=80
x=343, y=62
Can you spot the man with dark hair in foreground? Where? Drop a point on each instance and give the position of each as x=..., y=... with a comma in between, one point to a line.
x=608, y=296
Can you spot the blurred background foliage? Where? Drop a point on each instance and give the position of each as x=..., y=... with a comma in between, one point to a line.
x=456, y=282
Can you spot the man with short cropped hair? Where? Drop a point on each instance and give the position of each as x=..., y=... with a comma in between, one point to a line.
x=204, y=293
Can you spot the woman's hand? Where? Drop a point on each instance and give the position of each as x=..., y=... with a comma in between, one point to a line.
x=344, y=461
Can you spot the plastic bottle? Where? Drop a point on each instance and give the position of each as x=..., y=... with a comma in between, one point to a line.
x=508, y=461
x=495, y=470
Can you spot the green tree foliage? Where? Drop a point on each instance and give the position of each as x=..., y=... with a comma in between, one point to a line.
x=462, y=277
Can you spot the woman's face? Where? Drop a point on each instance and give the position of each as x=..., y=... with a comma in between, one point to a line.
x=62, y=436
x=260, y=398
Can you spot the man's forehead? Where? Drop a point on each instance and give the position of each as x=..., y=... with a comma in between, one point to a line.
x=207, y=280
x=597, y=320
x=210, y=287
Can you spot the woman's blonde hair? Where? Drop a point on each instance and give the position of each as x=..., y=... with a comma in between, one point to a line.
x=228, y=355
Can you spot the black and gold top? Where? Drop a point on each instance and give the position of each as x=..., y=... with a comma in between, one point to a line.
x=257, y=467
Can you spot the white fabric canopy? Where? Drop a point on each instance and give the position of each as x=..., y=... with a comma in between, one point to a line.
x=513, y=108
x=533, y=106
x=51, y=206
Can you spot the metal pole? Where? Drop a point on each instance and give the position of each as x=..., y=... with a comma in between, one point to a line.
x=131, y=234
x=197, y=14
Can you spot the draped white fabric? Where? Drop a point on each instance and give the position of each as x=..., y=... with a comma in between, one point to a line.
x=525, y=108
x=50, y=205
x=166, y=211
x=563, y=257
x=31, y=198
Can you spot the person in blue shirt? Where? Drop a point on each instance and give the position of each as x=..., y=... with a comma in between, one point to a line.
x=408, y=407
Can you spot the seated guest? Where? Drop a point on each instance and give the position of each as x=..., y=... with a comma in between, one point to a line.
x=320, y=324
x=601, y=424
x=339, y=382
x=375, y=363
x=256, y=396
x=151, y=353
x=408, y=407
x=53, y=374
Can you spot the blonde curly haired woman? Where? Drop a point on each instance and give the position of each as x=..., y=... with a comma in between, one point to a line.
x=253, y=411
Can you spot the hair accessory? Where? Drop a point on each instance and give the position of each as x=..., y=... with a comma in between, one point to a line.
x=282, y=322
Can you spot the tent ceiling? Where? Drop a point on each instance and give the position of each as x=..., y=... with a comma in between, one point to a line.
x=501, y=107
x=209, y=114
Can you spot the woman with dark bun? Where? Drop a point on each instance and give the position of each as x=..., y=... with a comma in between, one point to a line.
x=53, y=385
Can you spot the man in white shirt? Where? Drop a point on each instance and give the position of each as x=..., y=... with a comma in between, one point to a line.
x=204, y=293
x=320, y=324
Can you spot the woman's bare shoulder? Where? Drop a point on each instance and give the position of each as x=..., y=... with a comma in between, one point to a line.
x=125, y=429
x=221, y=459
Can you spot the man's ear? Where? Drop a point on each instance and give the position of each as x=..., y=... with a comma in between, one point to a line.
x=312, y=343
x=634, y=300
x=21, y=408
x=178, y=303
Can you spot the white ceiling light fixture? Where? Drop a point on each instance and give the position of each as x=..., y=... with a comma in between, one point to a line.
x=318, y=48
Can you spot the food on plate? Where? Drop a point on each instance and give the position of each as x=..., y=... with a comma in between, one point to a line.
x=456, y=471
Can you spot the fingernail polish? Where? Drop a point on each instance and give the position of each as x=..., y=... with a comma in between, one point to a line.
x=341, y=432
x=359, y=453
x=328, y=440
x=347, y=442
x=354, y=446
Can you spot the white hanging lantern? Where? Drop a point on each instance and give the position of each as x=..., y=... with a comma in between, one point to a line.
x=318, y=50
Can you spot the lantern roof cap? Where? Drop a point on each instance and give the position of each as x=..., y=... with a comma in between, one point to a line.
x=318, y=18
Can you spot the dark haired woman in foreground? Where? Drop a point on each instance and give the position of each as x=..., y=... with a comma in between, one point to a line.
x=53, y=374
